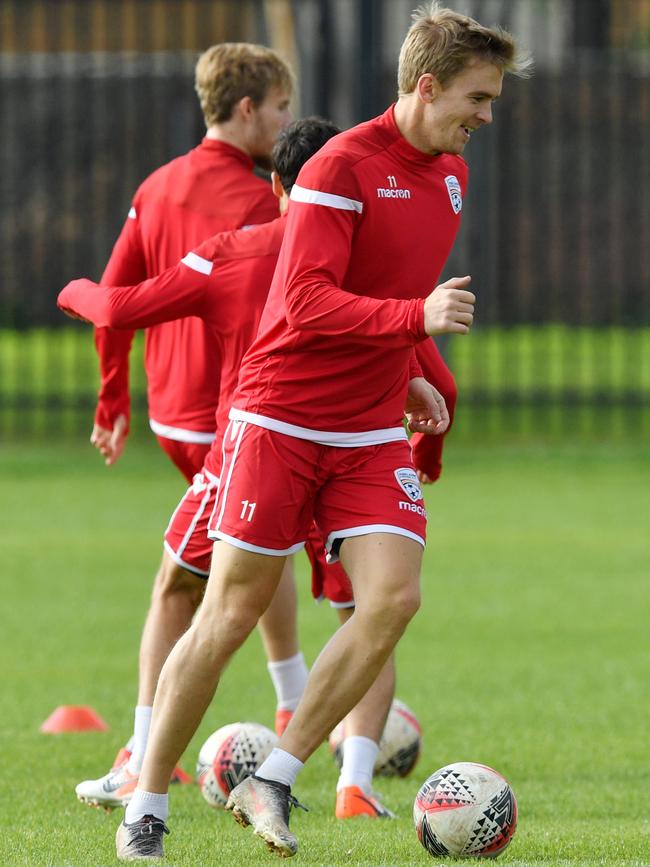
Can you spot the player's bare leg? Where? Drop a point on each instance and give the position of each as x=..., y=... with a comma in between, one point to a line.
x=368, y=717
x=278, y=624
x=239, y=590
x=175, y=597
x=363, y=728
x=279, y=630
x=384, y=569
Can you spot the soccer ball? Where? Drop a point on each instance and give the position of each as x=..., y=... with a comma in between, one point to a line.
x=465, y=810
x=399, y=747
x=229, y=755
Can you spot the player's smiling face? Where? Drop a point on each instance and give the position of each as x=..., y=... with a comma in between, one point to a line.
x=454, y=112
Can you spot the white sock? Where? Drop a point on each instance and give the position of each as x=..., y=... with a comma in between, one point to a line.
x=129, y=744
x=359, y=756
x=140, y=737
x=146, y=804
x=281, y=767
x=289, y=677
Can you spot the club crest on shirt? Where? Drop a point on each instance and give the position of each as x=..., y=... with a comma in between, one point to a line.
x=408, y=482
x=455, y=197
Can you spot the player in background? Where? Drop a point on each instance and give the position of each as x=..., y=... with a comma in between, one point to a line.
x=244, y=91
x=316, y=426
x=225, y=282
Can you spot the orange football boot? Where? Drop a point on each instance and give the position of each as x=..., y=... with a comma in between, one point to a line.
x=282, y=717
x=352, y=801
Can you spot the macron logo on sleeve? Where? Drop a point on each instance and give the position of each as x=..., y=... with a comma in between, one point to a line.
x=393, y=190
x=132, y=214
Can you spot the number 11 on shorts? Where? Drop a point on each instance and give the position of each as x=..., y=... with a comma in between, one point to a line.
x=247, y=507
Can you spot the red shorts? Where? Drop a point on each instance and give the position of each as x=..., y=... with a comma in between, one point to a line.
x=186, y=537
x=273, y=486
x=187, y=543
x=188, y=457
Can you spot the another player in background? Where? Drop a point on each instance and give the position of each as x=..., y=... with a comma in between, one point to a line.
x=244, y=91
x=316, y=426
x=225, y=282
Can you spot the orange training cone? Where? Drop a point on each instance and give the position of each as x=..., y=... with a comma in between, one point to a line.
x=73, y=718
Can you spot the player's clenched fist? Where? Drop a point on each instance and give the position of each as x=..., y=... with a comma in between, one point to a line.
x=450, y=308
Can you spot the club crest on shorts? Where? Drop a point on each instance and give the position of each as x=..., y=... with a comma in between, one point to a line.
x=408, y=482
x=455, y=197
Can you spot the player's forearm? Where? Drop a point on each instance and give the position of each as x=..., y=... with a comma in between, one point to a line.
x=326, y=309
x=88, y=301
x=174, y=294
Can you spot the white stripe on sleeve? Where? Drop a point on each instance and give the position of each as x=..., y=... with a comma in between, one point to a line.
x=316, y=197
x=132, y=214
x=197, y=263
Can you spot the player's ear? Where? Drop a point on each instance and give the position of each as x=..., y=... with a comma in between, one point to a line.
x=245, y=107
x=276, y=185
x=428, y=87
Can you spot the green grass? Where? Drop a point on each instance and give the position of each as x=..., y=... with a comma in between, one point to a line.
x=530, y=653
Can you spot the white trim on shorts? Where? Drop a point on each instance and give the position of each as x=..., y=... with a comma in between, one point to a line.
x=335, y=439
x=226, y=481
x=205, y=499
x=217, y=535
x=213, y=482
x=323, y=597
x=180, y=562
x=180, y=434
x=350, y=532
x=214, y=479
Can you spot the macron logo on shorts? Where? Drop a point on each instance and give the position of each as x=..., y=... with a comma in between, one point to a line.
x=407, y=479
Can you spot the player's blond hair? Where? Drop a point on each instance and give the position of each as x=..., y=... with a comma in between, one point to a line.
x=442, y=42
x=228, y=72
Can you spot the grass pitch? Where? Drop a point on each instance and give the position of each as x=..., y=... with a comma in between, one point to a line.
x=530, y=654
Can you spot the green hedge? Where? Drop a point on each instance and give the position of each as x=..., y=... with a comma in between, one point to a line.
x=525, y=379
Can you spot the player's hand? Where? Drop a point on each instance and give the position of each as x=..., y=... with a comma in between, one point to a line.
x=449, y=309
x=423, y=478
x=71, y=313
x=426, y=410
x=110, y=443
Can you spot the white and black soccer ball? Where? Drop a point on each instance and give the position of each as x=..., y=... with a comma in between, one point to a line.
x=399, y=747
x=465, y=810
x=229, y=755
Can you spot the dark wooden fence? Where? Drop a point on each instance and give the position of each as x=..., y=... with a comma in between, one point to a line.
x=94, y=94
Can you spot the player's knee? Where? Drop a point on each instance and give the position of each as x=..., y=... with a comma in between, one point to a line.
x=387, y=617
x=172, y=583
x=227, y=628
x=404, y=604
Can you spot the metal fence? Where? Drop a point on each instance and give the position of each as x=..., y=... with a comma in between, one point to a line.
x=94, y=94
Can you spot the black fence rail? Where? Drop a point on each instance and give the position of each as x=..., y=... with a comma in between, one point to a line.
x=95, y=94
